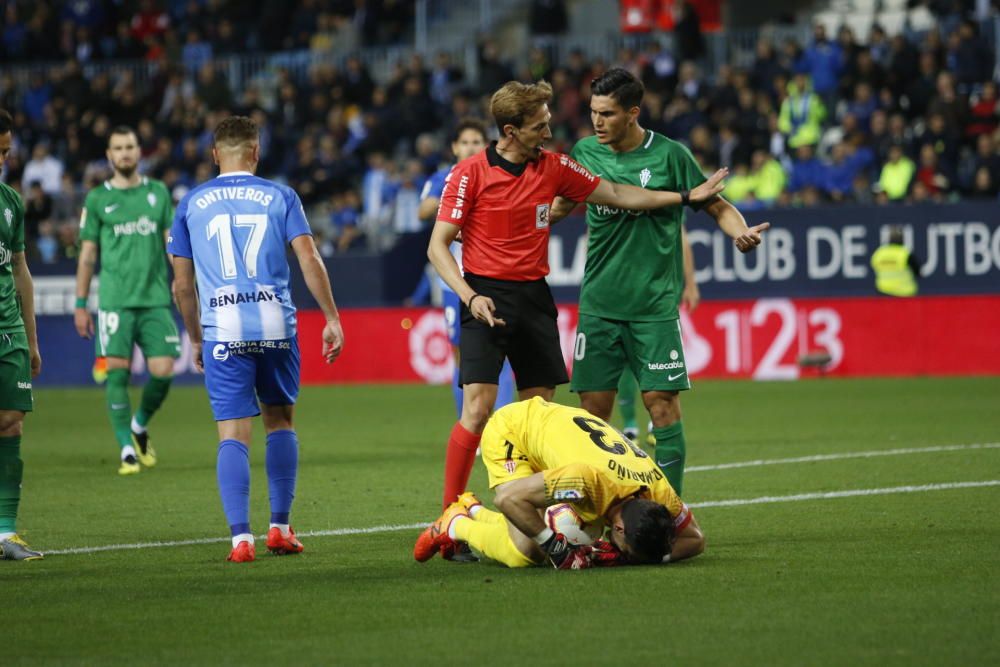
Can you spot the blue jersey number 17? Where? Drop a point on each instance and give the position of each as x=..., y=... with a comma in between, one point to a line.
x=220, y=227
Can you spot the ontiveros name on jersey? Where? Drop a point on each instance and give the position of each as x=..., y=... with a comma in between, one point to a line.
x=143, y=227
x=241, y=192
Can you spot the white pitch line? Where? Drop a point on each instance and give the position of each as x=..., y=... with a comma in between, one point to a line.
x=217, y=540
x=845, y=455
x=846, y=494
x=414, y=526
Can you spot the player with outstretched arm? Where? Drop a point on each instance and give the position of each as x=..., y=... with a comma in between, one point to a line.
x=539, y=454
x=633, y=281
x=500, y=200
x=230, y=237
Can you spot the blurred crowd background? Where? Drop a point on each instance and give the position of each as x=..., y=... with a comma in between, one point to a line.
x=831, y=117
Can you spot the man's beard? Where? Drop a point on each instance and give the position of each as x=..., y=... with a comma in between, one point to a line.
x=126, y=171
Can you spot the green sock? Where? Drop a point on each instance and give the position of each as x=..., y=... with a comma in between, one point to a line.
x=119, y=409
x=627, y=387
x=153, y=395
x=670, y=453
x=11, y=471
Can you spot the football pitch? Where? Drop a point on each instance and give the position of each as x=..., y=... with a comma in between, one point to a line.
x=848, y=522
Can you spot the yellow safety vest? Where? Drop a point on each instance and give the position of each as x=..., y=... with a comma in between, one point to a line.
x=892, y=271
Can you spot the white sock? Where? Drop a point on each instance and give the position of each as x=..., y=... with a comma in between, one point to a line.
x=283, y=527
x=6, y=536
x=242, y=537
x=451, y=527
x=137, y=427
x=475, y=510
x=127, y=450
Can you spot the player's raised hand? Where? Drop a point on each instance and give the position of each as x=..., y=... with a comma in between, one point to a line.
x=751, y=238
x=84, y=322
x=484, y=310
x=333, y=340
x=713, y=186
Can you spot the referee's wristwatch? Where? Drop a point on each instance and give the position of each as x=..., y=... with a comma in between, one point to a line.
x=471, y=299
x=685, y=197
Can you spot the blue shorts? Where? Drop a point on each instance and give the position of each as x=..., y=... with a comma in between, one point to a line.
x=238, y=374
x=452, y=314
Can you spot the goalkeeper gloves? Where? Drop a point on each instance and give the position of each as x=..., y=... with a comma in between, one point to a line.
x=566, y=556
x=605, y=554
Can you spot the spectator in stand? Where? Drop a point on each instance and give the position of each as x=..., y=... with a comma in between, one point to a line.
x=897, y=173
x=37, y=209
x=196, y=52
x=845, y=164
x=802, y=113
x=807, y=170
x=984, y=111
x=968, y=56
x=687, y=32
x=768, y=177
x=984, y=185
x=932, y=174
x=44, y=169
x=343, y=233
x=823, y=61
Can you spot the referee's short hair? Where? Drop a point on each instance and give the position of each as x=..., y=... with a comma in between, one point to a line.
x=620, y=85
x=515, y=101
x=6, y=121
x=236, y=131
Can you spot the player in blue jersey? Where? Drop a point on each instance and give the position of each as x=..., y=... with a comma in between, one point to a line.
x=230, y=236
x=468, y=138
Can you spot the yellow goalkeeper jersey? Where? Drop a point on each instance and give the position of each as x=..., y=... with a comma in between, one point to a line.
x=585, y=460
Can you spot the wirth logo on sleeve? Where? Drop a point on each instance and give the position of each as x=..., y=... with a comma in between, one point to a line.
x=575, y=166
x=463, y=184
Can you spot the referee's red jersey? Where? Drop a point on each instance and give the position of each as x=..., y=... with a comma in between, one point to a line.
x=503, y=210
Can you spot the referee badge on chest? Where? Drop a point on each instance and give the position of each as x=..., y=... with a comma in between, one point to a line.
x=542, y=216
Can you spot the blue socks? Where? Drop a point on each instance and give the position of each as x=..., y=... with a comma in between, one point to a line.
x=282, y=463
x=233, y=471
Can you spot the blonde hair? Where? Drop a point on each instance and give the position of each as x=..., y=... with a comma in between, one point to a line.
x=515, y=101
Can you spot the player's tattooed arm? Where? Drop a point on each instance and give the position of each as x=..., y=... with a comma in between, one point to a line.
x=25, y=289
x=561, y=207
x=731, y=221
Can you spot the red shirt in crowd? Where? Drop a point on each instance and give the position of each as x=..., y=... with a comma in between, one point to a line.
x=503, y=210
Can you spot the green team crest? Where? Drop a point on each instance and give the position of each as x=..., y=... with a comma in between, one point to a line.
x=8, y=215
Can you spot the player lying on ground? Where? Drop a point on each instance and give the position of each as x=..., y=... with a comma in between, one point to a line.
x=539, y=454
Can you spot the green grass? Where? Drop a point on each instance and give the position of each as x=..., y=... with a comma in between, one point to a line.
x=879, y=580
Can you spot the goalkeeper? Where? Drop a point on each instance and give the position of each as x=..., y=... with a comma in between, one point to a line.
x=539, y=454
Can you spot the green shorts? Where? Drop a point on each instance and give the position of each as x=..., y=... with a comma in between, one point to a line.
x=15, y=372
x=152, y=329
x=652, y=350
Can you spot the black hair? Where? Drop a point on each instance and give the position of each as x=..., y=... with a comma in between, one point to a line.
x=620, y=85
x=120, y=130
x=6, y=121
x=649, y=530
x=469, y=124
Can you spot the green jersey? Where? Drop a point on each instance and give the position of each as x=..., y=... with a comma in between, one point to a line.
x=635, y=259
x=128, y=225
x=11, y=241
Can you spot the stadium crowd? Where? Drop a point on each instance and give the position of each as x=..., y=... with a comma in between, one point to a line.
x=842, y=118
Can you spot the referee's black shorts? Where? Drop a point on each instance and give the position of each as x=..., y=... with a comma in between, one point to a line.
x=530, y=339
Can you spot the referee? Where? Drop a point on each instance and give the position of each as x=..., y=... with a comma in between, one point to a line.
x=499, y=199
